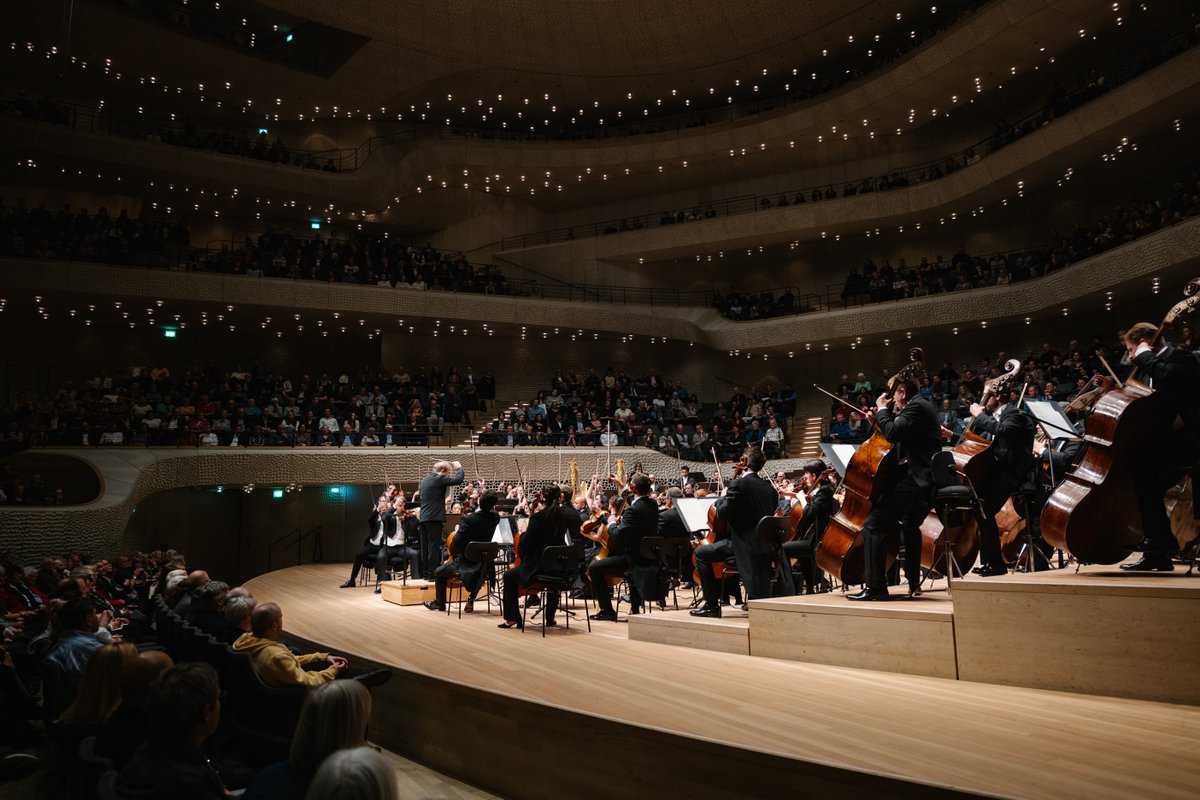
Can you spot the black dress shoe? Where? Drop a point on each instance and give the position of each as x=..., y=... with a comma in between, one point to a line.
x=347, y=585
x=433, y=605
x=1151, y=562
x=914, y=590
x=989, y=570
x=605, y=616
x=707, y=611
x=870, y=594
x=375, y=678
x=378, y=590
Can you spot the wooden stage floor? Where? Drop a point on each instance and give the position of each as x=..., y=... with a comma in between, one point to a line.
x=879, y=733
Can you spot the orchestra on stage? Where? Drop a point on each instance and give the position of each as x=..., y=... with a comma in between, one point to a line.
x=1027, y=483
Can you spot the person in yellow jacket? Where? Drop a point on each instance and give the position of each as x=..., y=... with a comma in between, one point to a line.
x=275, y=664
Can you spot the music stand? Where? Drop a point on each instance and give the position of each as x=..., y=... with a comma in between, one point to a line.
x=1048, y=415
x=839, y=455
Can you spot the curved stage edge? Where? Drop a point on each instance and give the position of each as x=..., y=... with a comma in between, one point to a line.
x=598, y=716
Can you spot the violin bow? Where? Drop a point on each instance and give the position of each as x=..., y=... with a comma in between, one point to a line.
x=850, y=406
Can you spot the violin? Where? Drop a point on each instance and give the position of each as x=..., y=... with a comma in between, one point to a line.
x=1093, y=513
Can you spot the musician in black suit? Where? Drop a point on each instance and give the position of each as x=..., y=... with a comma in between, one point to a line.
x=1173, y=372
x=638, y=520
x=477, y=527
x=381, y=522
x=546, y=529
x=1012, y=444
x=818, y=493
x=672, y=526
x=746, y=501
x=910, y=422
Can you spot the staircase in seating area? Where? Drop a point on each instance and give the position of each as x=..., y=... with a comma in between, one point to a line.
x=505, y=407
x=806, y=437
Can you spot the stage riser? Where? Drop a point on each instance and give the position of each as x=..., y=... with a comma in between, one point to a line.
x=902, y=638
x=683, y=631
x=1119, y=641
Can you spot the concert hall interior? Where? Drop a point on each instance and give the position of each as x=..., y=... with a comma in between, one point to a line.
x=744, y=399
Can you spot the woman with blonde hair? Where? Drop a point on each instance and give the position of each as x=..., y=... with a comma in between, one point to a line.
x=334, y=717
x=98, y=697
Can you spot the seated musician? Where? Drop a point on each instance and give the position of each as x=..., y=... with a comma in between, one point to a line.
x=811, y=525
x=672, y=526
x=381, y=521
x=479, y=526
x=546, y=529
x=910, y=422
x=1012, y=431
x=398, y=544
x=746, y=501
x=1173, y=372
x=637, y=521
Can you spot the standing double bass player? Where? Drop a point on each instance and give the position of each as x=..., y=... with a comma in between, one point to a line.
x=910, y=422
x=1175, y=373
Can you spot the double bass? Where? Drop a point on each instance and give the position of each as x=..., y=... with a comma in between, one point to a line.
x=973, y=457
x=841, y=550
x=1093, y=514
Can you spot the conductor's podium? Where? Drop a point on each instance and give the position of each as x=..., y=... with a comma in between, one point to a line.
x=1097, y=631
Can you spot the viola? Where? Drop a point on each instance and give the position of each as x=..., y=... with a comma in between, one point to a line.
x=1093, y=513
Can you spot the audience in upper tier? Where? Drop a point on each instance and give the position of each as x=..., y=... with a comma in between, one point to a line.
x=204, y=406
x=622, y=410
x=882, y=282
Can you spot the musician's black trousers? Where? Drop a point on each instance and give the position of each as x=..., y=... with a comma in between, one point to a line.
x=369, y=552
x=993, y=499
x=599, y=570
x=1158, y=471
x=431, y=547
x=510, y=600
x=706, y=556
x=906, y=506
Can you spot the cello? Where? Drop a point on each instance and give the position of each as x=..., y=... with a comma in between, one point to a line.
x=718, y=528
x=841, y=550
x=1093, y=514
x=973, y=458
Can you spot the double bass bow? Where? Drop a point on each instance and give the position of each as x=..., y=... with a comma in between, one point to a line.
x=1093, y=514
x=841, y=550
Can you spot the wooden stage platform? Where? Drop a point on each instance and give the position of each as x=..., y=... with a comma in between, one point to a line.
x=599, y=715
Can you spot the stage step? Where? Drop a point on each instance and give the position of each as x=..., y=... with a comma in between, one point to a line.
x=730, y=634
x=1102, y=631
x=911, y=636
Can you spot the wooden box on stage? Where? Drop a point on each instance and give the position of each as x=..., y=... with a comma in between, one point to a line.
x=418, y=591
x=412, y=593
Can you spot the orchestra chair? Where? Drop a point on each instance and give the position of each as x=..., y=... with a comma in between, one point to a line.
x=953, y=493
x=774, y=531
x=560, y=565
x=484, y=553
x=671, y=555
x=90, y=767
x=651, y=549
x=1029, y=550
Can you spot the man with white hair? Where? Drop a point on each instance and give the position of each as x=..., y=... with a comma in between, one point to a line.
x=432, y=494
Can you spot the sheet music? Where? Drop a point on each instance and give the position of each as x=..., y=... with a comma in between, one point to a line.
x=694, y=511
x=1049, y=414
x=503, y=533
x=839, y=455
